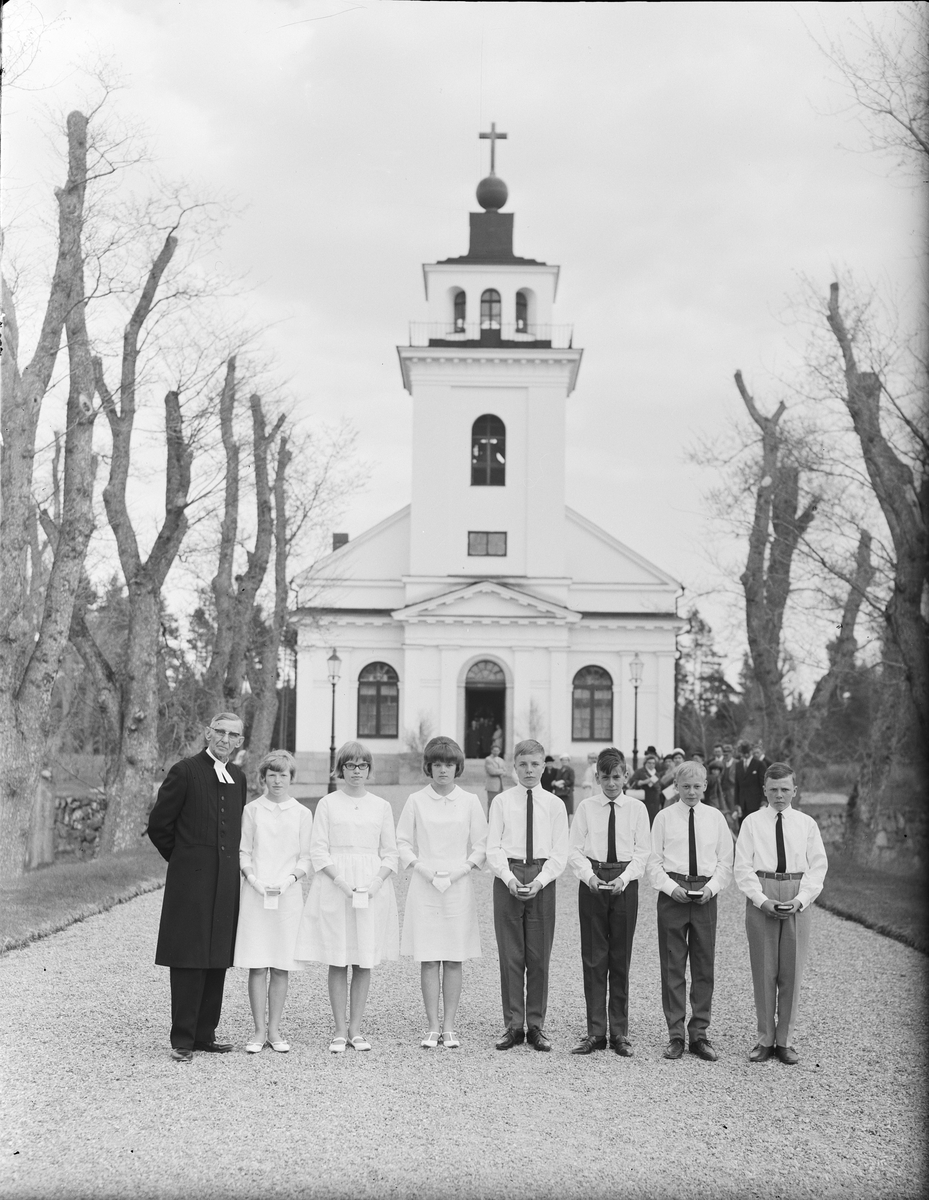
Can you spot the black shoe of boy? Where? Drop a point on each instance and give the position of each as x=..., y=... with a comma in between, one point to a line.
x=674, y=1048
x=588, y=1045
x=622, y=1046
x=512, y=1037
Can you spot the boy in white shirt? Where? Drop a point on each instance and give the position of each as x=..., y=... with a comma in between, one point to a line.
x=609, y=845
x=780, y=865
x=527, y=849
x=689, y=864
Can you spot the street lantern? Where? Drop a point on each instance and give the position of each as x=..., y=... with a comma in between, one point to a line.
x=333, y=665
x=636, y=667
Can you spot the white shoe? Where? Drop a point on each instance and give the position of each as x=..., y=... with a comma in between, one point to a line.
x=337, y=1046
x=360, y=1043
x=280, y=1047
x=450, y=1040
x=431, y=1040
x=254, y=1047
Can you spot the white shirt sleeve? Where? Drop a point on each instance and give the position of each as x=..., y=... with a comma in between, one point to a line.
x=247, y=841
x=387, y=847
x=577, y=856
x=406, y=833
x=478, y=834
x=306, y=833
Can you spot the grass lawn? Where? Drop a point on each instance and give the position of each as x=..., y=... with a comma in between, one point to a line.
x=53, y=897
x=890, y=904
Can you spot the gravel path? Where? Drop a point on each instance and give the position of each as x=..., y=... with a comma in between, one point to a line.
x=92, y=1106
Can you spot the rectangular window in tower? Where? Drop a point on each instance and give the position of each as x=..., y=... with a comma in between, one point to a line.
x=483, y=545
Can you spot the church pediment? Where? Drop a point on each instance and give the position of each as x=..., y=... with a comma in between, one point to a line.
x=488, y=603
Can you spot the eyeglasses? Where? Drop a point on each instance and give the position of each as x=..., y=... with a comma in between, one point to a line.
x=353, y=766
x=224, y=735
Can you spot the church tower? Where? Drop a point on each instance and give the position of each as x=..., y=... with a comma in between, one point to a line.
x=485, y=609
x=489, y=372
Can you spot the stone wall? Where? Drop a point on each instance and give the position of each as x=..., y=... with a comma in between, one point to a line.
x=78, y=821
x=829, y=812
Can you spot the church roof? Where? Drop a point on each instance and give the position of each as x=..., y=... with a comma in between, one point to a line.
x=487, y=602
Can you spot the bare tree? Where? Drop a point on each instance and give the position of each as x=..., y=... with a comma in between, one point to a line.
x=30, y=654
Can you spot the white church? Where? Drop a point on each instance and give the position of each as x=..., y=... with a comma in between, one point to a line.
x=485, y=608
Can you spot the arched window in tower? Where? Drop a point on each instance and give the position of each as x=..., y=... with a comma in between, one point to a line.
x=378, y=701
x=488, y=452
x=490, y=309
x=592, y=706
x=460, y=311
x=522, y=312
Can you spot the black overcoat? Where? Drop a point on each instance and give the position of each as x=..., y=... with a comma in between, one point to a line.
x=196, y=825
x=749, y=785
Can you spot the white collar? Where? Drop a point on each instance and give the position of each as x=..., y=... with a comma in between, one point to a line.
x=290, y=802
x=219, y=767
x=621, y=799
x=434, y=795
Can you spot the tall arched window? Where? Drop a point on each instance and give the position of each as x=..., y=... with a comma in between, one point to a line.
x=522, y=312
x=460, y=311
x=592, y=706
x=488, y=452
x=490, y=309
x=378, y=701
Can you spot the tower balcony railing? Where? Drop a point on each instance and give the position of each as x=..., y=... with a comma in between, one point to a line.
x=475, y=333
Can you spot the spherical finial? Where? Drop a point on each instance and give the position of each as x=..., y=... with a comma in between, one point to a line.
x=491, y=192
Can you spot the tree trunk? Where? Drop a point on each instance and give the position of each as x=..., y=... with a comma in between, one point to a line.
x=222, y=585
x=884, y=805
x=131, y=786
x=30, y=656
x=777, y=528
x=263, y=680
x=40, y=851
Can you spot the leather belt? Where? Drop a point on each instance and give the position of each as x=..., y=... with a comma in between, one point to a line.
x=678, y=878
x=779, y=874
x=609, y=866
x=528, y=862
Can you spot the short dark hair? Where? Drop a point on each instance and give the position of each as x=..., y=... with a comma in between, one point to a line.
x=778, y=771
x=528, y=746
x=352, y=750
x=609, y=759
x=442, y=750
x=745, y=748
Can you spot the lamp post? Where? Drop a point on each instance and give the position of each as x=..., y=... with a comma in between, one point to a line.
x=333, y=663
x=635, y=674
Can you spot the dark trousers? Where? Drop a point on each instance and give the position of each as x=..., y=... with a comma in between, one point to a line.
x=607, y=929
x=196, y=1002
x=525, y=930
x=686, y=931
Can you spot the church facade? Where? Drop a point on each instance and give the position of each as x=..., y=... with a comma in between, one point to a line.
x=486, y=609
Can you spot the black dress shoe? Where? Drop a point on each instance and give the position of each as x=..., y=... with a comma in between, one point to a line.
x=512, y=1037
x=179, y=1054
x=538, y=1039
x=761, y=1053
x=788, y=1055
x=214, y=1047
x=703, y=1048
x=674, y=1048
x=623, y=1047
x=588, y=1045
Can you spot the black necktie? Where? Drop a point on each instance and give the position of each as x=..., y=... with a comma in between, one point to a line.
x=781, y=867
x=611, y=835
x=691, y=846
x=530, y=850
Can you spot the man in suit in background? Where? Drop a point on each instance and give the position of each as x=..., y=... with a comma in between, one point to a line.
x=196, y=825
x=750, y=767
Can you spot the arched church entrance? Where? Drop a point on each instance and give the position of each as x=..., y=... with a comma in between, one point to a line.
x=485, y=708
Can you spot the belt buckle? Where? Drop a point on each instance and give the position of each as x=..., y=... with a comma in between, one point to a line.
x=781, y=875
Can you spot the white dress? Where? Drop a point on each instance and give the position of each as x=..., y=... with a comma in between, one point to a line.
x=438, y=830
x=275, y=841
x=356, y=836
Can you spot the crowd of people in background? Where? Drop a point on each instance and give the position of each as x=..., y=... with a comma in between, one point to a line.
x=735, y=778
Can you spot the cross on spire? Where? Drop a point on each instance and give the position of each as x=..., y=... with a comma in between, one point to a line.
x=494, y=137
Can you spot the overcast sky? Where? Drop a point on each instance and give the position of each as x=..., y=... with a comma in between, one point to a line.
x=684, y=164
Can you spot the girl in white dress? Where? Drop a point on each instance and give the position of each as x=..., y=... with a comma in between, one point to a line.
x=441, y=834
x=274, y=854
x=350, y=917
